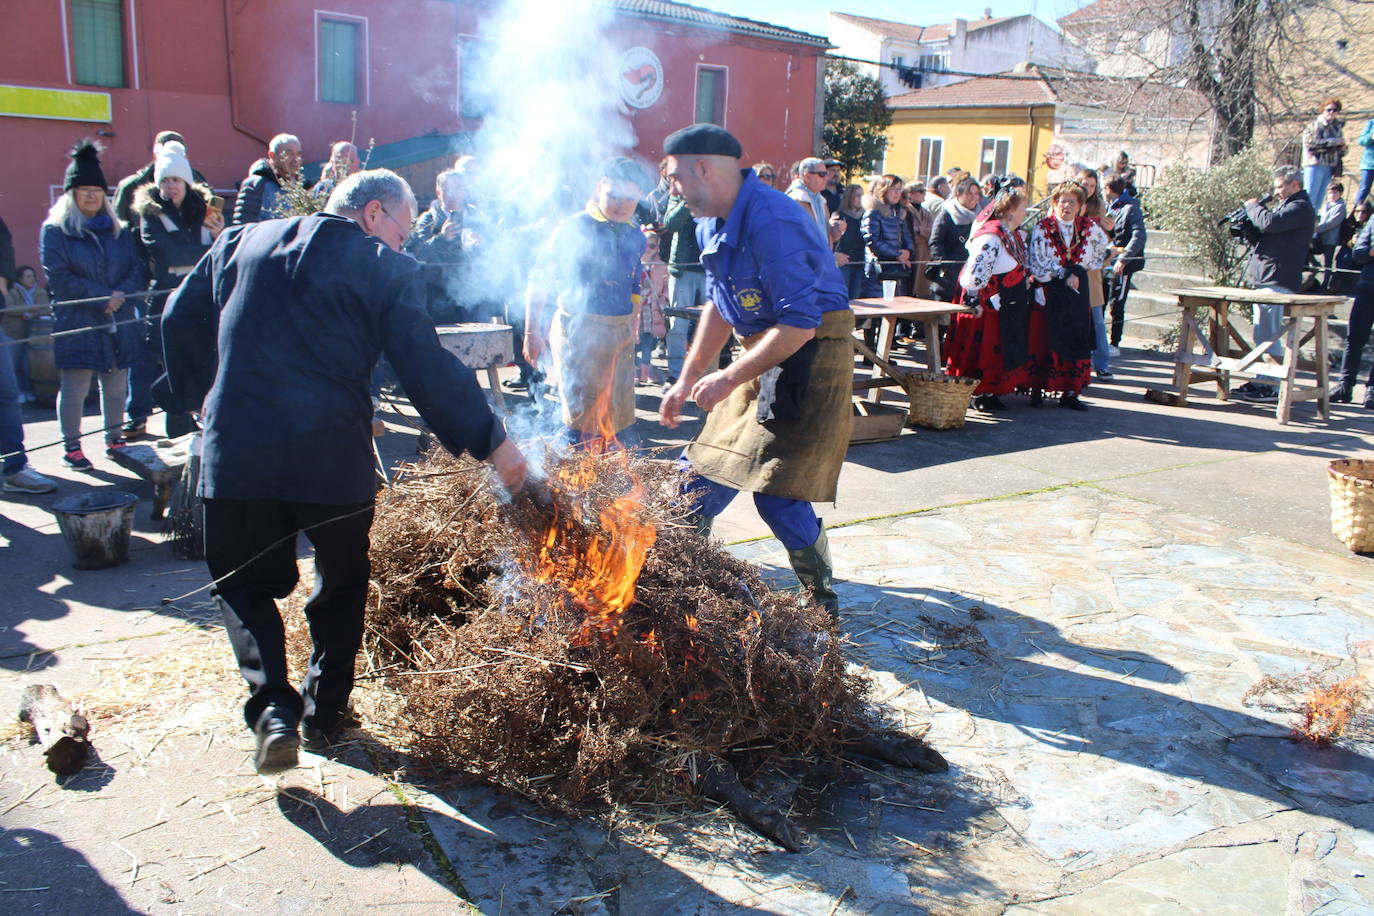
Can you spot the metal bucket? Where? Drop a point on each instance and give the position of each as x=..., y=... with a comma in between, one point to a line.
x=97, y=527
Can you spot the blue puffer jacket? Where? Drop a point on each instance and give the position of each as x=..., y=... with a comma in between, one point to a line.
x=93, y=264
x=884, y=236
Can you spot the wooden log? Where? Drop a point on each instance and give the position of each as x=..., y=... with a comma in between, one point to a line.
x=719, y=781
x=897, y=748
x=57, y=729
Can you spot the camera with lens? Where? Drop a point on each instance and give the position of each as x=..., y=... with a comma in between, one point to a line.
x=1237, y=222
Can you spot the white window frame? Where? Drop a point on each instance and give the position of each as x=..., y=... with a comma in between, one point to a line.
x=724, y=95
x=992, y=169
x=366, y=57
x=940, y=160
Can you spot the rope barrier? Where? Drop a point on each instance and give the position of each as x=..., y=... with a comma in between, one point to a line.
x=143, y=294
x=94, y=432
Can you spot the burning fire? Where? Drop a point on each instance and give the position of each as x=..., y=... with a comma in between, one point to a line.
x=1327, y=710
x=599, y=571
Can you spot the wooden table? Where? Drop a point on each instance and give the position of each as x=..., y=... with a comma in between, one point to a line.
x=1247, y=359
x=481, y=347
x=930, y=313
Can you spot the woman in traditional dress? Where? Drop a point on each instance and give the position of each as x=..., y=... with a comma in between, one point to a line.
x=1064, y=246
x=990, y=343
x=1095, y=209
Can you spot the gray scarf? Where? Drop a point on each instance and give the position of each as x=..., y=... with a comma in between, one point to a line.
x=961, y=215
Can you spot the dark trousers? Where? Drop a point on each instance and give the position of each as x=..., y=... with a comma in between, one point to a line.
x=1357, y=335
x=1118, y=288
x=236, y=532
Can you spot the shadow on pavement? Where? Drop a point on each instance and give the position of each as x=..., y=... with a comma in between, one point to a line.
x=39, y=863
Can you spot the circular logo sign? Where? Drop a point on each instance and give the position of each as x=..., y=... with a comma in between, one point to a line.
x=640, y=77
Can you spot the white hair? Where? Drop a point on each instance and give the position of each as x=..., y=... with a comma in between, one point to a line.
x=67, y=216
x=1289, y=174
x=361, y=188
x=278, y=143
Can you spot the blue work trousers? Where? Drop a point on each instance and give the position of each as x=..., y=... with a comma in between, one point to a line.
x=792, y=521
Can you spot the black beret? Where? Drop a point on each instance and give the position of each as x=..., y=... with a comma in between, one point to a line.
x=702, y=140
x=621, y=168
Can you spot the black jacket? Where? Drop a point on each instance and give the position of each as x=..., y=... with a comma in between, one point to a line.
x=1129, y=233
x=174, y=238
x=1362, y=255
x=1281, y=237
x=458, y=280
x=276, y=332
x=257, y=195
x=948, y=242
x=130, y=185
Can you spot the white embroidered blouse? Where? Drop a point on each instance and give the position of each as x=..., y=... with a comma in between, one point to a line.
x=1044, y=260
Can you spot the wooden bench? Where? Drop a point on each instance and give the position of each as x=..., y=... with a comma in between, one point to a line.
x=160, y=463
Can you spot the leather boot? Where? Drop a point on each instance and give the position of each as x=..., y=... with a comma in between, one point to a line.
x=813, y=569
x=1343, y=392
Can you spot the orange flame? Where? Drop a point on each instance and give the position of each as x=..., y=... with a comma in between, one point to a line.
x=599, y=572
x=1328, y=710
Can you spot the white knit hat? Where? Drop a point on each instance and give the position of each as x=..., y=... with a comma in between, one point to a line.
x=171, y=162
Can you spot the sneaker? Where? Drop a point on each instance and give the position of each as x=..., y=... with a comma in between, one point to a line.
x=77, y=460
x=27, y=480
x=134, y=428
x=515, y=384
x=317, y=740
x=1113, y=351
x=668, y=384
x=114, y=446
x=1258, y=394
x=1106, y=373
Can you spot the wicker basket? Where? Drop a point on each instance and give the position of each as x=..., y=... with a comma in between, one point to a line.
x=1352, y=503
x=937, y=401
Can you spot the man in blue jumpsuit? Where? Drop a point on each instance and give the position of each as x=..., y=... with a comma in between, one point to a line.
x=273, y=338
x=778, y=418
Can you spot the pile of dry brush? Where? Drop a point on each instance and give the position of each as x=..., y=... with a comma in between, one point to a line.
x=500, y=672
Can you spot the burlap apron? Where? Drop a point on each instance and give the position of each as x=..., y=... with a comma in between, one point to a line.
x=1096, y=293
x=593, y=359
x=794, y=459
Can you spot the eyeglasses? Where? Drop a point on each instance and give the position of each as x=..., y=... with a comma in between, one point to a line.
x=403, y=226
x=822, y=174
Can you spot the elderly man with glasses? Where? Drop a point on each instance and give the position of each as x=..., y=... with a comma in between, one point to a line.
x=273, y=337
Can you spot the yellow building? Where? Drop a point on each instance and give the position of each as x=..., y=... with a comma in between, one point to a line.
x=1013, y=122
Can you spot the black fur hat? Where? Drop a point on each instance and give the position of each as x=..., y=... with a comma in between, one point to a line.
x=84, y=170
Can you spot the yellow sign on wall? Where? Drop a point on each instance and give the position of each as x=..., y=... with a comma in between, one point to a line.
x=54, y=104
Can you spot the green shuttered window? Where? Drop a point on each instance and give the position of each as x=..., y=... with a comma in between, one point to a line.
x=339, y=42
x=98, y=42
x=710, y=96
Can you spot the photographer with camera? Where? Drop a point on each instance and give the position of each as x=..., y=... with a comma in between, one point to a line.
x=1281, y=238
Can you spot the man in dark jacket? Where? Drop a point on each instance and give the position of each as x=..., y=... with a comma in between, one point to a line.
x=130, y=184
x=275, y=333
x=257, y=198
x=1361, y=321
x=686, y=281
x=949, y=238
x=447, y=239
x=1281, y=237
x=1129, y=236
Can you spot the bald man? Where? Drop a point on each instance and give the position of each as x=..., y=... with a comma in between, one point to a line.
x=778, y=418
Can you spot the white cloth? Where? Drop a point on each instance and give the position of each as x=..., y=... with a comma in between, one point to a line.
x=987, y=258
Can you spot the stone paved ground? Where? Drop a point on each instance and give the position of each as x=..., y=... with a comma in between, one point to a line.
x=1073, y=605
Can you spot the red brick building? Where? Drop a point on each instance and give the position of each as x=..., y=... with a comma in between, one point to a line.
x=230, y=74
